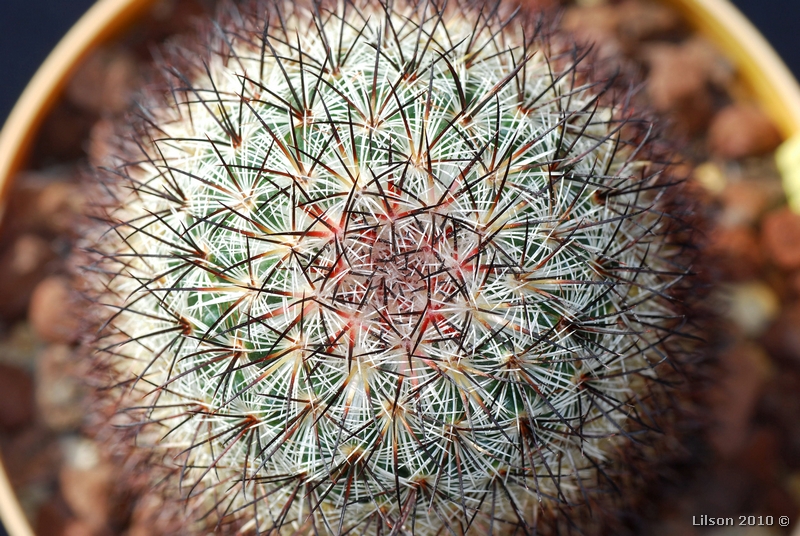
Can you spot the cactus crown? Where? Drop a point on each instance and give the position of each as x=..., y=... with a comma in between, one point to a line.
x=391, y=265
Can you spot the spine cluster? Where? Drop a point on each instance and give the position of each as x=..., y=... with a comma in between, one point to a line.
x=391, y=268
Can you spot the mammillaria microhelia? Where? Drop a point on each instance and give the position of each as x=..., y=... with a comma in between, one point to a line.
x=391, y=268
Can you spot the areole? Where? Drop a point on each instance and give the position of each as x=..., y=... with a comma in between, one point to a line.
x=760, y=70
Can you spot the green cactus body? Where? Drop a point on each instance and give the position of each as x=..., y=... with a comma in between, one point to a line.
x=385, y=267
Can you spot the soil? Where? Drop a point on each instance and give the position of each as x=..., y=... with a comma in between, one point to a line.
x=747, y=465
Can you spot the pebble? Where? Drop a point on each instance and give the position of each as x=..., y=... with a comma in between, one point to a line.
x=139, y=530
x=752, y=306
x=33, y=496
x=741, y=130
x=62, y=135
x=101, y=143
x=59, y=392
x=103, y=82
x=52, y=518
x=793, y=486
x=22, y=267
x=781, y=405
x=736, y=252
x=760, y=458
x=78, y=527
x=744, y=202
x=16, y=398
x=679, y=82
x=61, y=203
x=155, y=515
x=641, y=21
x=87, y=492
x=52, y=311
x=31, y=457
x=783, y=337
x=30, y=252
x=84, y=479
x=780, y=233
x=711, y=177
x=595, y=25
x=22, y=210
x=745, y=368
x=80, y=452
x=19, y=346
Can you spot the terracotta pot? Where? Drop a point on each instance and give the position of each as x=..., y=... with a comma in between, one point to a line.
x=103, y=21
x=762, y=73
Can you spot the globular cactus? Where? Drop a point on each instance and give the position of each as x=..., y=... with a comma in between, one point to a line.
x=398, y=268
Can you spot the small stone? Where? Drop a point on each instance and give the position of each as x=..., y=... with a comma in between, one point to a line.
x=745, y=368
x=783, y=337
x=103, y=82
x=52, y=518
x=761, y=454
x=710, y=176
x=80, y=452
x=78, y=527
x=62, y=134
x=22, y=214
x=31, y=457
x=679, y=82
x=153, y=515
x=736, y=252
x=793, y=486
x=33, y=496
x=101, y=143
x=673, y=76
x=59, y=392
x=52, y=311
x=22, y=267
x=29, y=253
x=744, y=202
x=780, y=233
x=741, y=130
x=61, y=203
x=752, y=306
x=639, y=21
x=16, y=398
x=139, y=530
x=780, y=404
x=87, y=492
x=595, y=25
x=20, y=346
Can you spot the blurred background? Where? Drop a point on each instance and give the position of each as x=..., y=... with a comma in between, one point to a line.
x=29, y=29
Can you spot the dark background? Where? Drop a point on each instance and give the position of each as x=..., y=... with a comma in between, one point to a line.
x=29, y=29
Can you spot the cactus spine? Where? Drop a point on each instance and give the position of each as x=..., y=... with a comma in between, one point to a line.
x=392, y=267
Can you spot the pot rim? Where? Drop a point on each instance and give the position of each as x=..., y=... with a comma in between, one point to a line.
x=104, y=20
x=760, y=67
x=771, y=82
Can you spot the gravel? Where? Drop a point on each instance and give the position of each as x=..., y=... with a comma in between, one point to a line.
x=747, y=463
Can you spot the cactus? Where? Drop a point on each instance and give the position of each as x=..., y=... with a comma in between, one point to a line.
x=394, y=267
